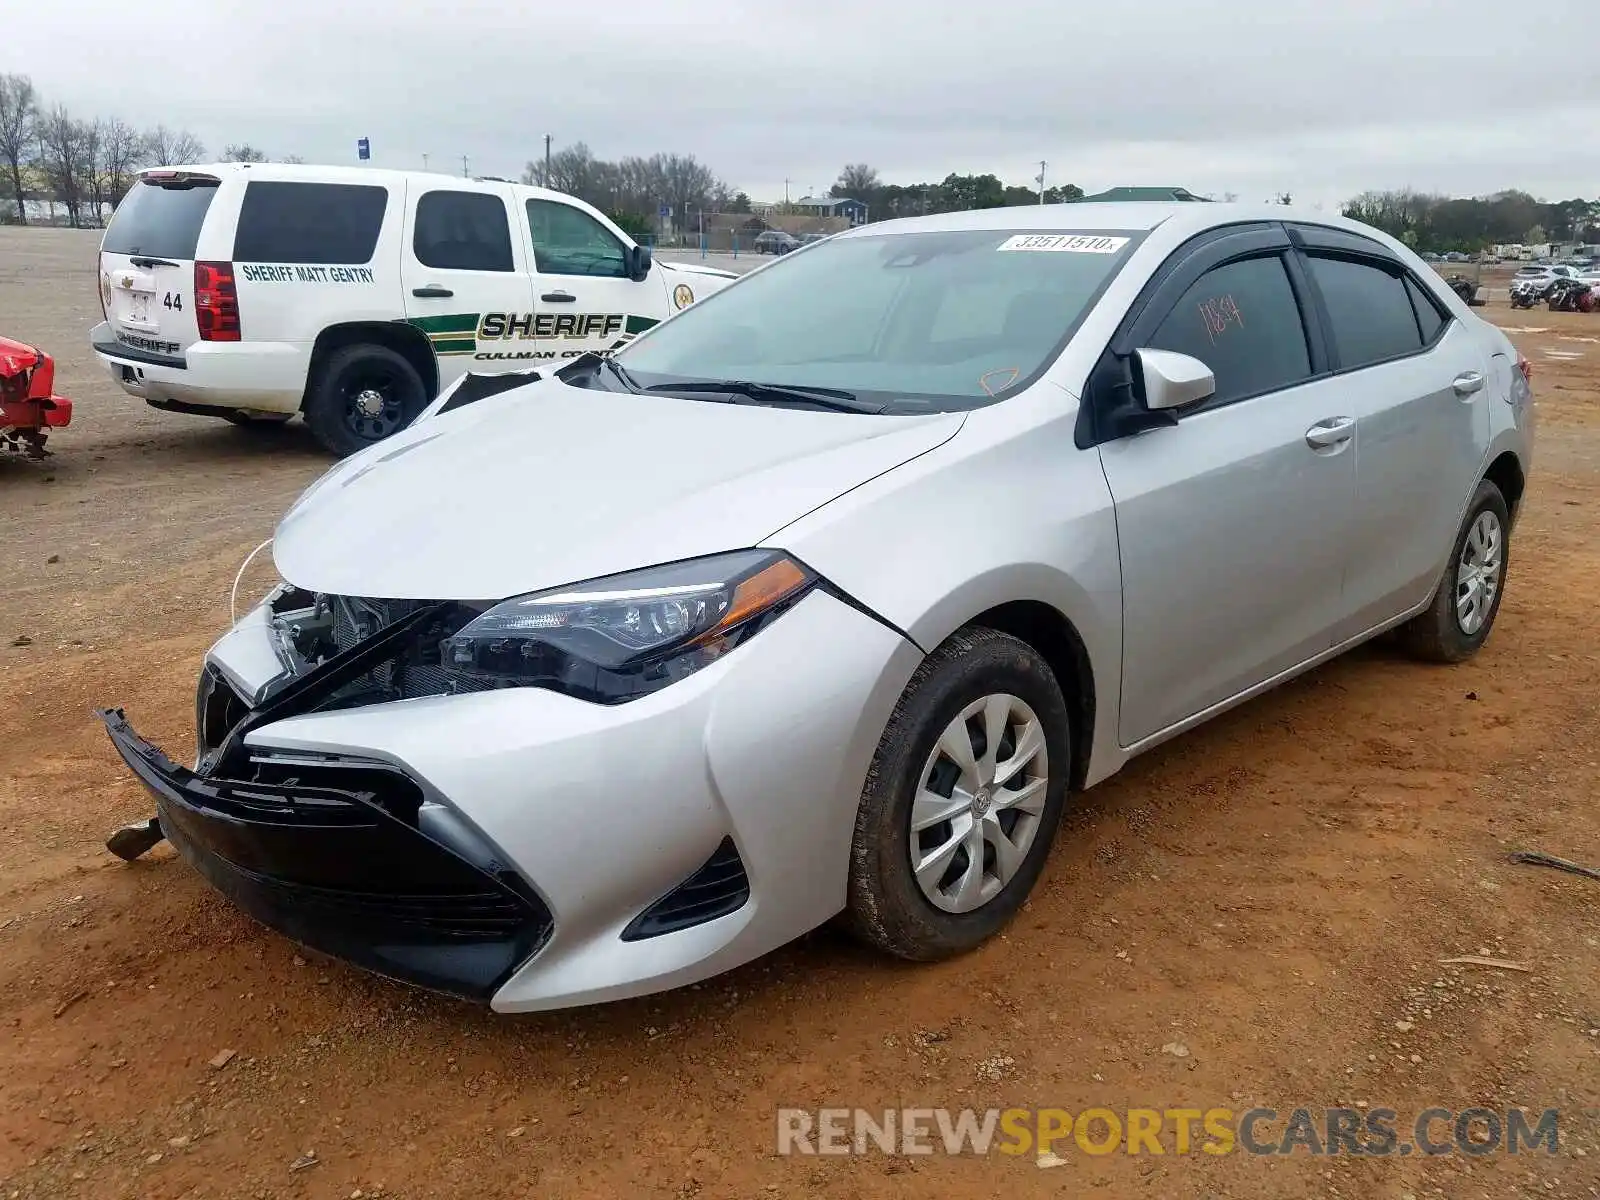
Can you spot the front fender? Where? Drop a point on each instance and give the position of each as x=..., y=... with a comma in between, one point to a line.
x=1009, y=513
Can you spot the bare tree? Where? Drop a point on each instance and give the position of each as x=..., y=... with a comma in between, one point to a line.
x=122, y=150
x=169, y=148
x=18, y=108
x=291, y=158
x=244, y=153
x=857, y=181
x=62, y=143
x=91, y=135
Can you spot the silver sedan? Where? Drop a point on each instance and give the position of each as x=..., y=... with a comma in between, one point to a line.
x=822, y=596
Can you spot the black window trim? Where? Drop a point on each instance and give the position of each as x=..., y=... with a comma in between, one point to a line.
x=511, y=241
x=1321, y=241
x=1111, y=410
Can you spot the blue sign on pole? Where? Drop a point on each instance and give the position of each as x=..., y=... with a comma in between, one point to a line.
x=363, y=149
x=665, y=212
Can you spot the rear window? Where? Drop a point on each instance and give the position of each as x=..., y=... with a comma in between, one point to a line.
x=160, y=222
x=286, y=222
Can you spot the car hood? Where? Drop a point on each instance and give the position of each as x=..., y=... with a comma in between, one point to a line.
x=550, y=484
x=679, y=268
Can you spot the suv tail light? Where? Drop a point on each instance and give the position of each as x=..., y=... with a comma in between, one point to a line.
x=216, y=302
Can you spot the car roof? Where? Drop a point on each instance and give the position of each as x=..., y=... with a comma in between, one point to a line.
x=1186, y=217
x=325, y=173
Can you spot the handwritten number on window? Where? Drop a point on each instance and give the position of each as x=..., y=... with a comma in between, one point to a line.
x=1219, y=314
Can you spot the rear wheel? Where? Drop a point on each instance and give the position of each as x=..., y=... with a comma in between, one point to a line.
x=362, y=395
x=962, y=800
x=1468, y=598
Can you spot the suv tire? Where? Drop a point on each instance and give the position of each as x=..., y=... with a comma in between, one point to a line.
x=361, y=395
x=978, y=681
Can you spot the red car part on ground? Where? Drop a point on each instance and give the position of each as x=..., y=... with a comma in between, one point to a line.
x=28, y=403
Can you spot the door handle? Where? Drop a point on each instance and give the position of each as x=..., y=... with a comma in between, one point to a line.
x=432, y=292
x=1467, y=383
x=559, y=297
x=1334, y=431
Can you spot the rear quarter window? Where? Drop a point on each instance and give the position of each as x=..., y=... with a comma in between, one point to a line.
x=290, y=222
x=160, y=222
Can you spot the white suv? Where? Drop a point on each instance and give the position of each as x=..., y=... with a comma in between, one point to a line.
x=254, y=291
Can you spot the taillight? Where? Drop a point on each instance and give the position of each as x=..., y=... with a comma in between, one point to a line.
x=216, y=302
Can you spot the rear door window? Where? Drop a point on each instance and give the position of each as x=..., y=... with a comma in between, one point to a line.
x=1242, y=321
x=1429, y=319
x=1369, y=311
x=160, y=221
x=291, y=222
x=462, y=231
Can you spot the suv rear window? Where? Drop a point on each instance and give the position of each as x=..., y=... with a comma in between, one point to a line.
x=285, y=222
x=160, y=221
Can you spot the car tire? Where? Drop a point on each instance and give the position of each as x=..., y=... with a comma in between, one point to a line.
x=976, y=673
x=1458, y=619
x=361, y=395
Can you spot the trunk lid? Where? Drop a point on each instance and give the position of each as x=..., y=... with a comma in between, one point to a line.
x=147, y=261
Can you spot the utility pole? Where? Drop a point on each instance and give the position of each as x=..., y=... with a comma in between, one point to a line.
x=547, y=160
x=785, y=194
x=463, y=166
x=1041, y=180
x=424, y=162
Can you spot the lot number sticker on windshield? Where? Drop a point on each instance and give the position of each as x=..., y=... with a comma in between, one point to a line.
x=1071, y=243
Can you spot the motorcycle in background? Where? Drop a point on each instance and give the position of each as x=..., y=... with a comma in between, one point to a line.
x=1525, y=293
x=1570, y=295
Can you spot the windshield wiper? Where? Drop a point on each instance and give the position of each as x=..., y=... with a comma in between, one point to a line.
x=833, y=399
x=604, y=362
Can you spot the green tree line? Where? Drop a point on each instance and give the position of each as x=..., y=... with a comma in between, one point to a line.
x=885, y=201
x=1444, y=223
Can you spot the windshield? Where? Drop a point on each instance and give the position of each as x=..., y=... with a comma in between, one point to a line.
x=914, y=322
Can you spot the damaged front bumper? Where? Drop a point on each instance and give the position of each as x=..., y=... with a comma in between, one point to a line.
x=331, y=852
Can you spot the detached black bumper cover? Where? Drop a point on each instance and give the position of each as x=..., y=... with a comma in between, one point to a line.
x=329, y=858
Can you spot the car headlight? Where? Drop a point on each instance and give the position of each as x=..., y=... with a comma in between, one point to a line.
x=624, y=636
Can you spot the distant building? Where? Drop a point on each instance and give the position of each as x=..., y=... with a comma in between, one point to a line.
x=853, y=211
x=1121, y=195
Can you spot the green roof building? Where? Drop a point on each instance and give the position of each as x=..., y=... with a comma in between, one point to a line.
x=1121, y=195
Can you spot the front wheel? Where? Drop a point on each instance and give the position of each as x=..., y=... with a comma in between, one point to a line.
x=362, y=395
x=962, y=800
x=1464, y=607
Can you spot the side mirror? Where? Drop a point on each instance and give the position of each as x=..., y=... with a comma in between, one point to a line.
x=1172, y=380
x=639, y=259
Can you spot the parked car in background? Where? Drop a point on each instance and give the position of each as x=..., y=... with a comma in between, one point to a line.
x=776, y=241
x=626, y=689
x=255, y=291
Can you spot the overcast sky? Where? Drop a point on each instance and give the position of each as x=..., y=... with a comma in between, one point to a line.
x=1321, y=98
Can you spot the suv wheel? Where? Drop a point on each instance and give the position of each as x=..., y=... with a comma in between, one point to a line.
x=962, y=800
x=1464, y=607
x=362, y=395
